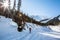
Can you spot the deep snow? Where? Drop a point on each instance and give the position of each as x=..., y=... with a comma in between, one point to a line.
x=8, y=31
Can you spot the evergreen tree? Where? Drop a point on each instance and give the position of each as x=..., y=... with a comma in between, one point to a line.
x=19, y=5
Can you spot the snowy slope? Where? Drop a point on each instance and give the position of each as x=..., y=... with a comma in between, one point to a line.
x=8, y=31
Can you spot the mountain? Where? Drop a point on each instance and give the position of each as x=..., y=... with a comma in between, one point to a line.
x=8, y=31
x=36, y=17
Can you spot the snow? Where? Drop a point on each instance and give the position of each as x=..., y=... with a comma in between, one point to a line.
x=8, y=31
x=55, y=28
x=59, y=18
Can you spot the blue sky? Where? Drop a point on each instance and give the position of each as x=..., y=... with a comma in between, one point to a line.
x=48, y=8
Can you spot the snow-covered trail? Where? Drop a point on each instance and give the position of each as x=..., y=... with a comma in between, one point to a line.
x=8, y=31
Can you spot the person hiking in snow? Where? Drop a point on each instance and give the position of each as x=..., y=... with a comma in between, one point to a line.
x=29, y=30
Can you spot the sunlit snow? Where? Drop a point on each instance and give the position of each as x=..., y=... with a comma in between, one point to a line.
x=8, y=31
